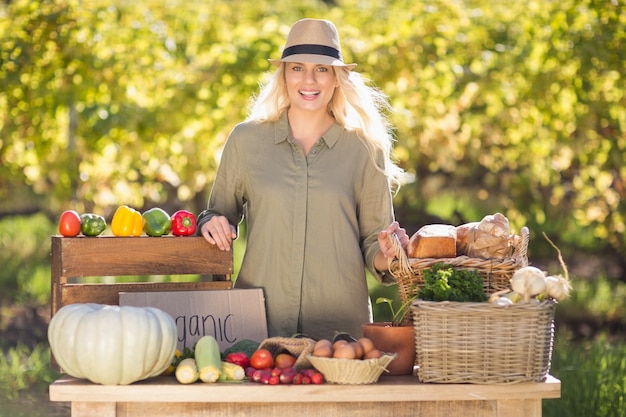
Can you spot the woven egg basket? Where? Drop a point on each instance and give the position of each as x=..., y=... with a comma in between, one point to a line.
x=352, y=371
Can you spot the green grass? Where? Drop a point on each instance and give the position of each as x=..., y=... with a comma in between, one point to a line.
x=23, y=368
x=600, y=298
x=25, y=259
x=593, y=378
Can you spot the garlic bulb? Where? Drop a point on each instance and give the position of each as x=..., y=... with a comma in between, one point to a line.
x=510, y=295
x=513, y=296
x=528, y=282
x=557, y=287
x=502, y=302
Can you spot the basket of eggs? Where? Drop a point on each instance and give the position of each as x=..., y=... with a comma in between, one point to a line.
x=349, y=362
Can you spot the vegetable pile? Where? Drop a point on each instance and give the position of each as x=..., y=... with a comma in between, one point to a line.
x=249, y=360
x=72, y=224
x=242, y=361
x=206, y=365
x=530, y=284
x=127, y=221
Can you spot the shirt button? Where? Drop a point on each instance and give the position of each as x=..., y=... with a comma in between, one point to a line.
x=314, y=151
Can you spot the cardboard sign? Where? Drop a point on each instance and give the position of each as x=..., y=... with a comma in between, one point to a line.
x=228, y=315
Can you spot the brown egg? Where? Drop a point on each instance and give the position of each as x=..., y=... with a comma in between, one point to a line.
x=358, y=350
x=373, y=354
x=323, y=351
x=323, y=348
x=366, y=344
x=339, y=343
x=323, y=343
x=344, y=351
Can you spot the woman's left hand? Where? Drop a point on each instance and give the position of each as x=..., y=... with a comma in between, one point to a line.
x=387, y=248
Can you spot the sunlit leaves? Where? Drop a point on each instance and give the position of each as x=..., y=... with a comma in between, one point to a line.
x=499, y=105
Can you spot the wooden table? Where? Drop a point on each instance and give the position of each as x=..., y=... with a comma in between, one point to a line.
x=163, y=396
x=393, y=396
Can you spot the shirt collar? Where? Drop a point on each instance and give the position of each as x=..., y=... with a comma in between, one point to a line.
x=281, y=132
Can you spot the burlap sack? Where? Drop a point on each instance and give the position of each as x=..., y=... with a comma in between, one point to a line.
x=490, y=238
x=300, y=347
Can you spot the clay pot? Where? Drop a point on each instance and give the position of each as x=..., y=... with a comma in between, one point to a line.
x=394, y=339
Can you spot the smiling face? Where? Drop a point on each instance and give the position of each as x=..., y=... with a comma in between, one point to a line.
x=310, y=86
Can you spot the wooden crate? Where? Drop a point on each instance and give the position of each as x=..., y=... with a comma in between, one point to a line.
x=80, y=257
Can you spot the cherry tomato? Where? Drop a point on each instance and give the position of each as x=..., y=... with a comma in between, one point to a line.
x=262, y=359
x=69, y=223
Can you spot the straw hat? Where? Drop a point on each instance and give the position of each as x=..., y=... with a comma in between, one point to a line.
x=313, y=40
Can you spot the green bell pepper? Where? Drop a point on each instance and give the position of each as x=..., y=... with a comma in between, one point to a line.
x=92, y=224
x=156, y=222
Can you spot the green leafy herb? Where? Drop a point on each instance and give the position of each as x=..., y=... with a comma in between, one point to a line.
x=446, y=283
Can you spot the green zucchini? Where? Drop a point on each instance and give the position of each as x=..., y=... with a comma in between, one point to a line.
x=208, y=359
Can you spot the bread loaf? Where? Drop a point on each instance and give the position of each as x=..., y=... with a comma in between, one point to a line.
x=433, y=241
x=489, y=238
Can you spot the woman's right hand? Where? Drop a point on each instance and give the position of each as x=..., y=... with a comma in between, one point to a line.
x=218, y=231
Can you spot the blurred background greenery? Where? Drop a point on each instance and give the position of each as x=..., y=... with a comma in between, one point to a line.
x=500, y=106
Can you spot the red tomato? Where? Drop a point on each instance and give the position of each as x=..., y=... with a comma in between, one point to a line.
x=262, y=359
x=69, y=223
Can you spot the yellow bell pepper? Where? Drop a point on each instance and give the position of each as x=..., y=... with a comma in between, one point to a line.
x=126, y=222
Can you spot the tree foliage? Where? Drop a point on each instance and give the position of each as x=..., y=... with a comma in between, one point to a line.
x=506, y=106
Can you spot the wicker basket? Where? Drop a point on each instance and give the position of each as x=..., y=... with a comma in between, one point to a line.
x=351, y=371
x=483, y=343
x=496, y=273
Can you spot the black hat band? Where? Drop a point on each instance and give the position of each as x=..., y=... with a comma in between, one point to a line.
x=312, y=49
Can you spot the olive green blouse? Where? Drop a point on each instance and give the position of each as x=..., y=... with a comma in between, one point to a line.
x=312, y=224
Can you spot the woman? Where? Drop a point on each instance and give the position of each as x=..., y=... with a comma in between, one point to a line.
x=310, y=171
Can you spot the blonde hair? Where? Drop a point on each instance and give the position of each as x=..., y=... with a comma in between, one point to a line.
x=355, y=105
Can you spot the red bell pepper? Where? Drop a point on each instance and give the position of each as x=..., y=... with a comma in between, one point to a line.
x=183, y=223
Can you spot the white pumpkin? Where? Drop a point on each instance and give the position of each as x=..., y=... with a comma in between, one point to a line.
x=112, y=345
